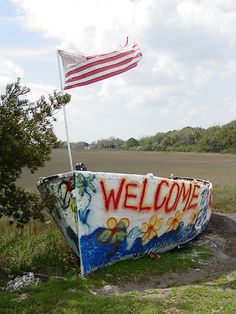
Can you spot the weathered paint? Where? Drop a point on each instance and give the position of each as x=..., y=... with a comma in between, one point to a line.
x=107, y=217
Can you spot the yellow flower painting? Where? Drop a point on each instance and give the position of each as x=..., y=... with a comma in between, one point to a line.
x=149, y=230
x=174, y=222
x=193, y=216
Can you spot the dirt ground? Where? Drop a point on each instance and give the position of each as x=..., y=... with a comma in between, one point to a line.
x=220, y=237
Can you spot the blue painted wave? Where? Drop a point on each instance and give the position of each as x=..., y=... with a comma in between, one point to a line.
x=96, y=254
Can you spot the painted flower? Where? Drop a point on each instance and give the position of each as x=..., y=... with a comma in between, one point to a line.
x=84, y=184
x=174, y=222
x=115, y=232
x=149, y=230
x=85, y=187
x=193, y=216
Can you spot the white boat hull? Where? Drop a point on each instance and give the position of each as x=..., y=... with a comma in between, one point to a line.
x=107, y=217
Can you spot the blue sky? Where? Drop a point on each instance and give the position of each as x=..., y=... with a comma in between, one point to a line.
x=187, y=76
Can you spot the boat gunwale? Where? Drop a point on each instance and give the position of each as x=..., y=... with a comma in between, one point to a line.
x=42, y=180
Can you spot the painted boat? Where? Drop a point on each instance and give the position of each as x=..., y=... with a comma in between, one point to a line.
x=106, y=217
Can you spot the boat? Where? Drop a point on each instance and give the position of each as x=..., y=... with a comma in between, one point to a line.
x=107, y=217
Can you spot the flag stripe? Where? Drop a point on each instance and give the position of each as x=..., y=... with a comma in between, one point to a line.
x=91, y=59
x=103, y=77
x=100, y=59
x=98, y=62
x=100, y=68
x=82, y=70
x=103, y=72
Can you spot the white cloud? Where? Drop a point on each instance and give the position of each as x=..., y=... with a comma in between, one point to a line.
x=9, y=72
x=202, y=74
x=27, y=53
x=37, y=90
x=167, y=66
x=226, y=110
x=216, y=16
x=86, y=25
x=229, y=69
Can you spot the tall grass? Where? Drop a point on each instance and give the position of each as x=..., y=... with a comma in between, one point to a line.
x=224, y=198
x=38, y=247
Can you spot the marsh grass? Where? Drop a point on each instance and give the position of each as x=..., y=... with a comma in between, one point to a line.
x=224, y=198
x=38, y=248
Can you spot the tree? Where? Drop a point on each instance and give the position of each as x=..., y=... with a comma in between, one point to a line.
x=212, y=140
x=109, y=143
x=146, y=142
x=78, y=145
x=131, y=143
x=26, y=141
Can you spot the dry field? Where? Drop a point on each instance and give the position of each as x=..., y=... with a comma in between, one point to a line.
x=218, y=168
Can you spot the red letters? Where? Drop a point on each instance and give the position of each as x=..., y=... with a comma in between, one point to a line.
x=130, y=195
x=171, y=195
x=111, y=198
x=194, y=195
x=168, y=195
x=143, y=193
x=185, y=194
x=157, y=195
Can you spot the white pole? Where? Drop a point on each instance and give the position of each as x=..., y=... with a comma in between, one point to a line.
x=64, y=112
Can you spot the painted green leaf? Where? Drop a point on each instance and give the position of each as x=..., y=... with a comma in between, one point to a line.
x=122, y=226
x=119, y=236
x=105, y=235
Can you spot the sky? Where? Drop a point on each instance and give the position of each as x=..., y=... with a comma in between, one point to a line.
x=187, y=76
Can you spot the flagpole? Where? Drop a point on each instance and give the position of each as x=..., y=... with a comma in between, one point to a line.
x=64, y=113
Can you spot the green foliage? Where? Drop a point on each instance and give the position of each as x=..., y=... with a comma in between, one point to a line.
x=213, y=140
x=79, y=145
x=131, y=143
x=216, y=139
x=185, y=140
x=110, y=143
x=146, y=143
x=26, y=141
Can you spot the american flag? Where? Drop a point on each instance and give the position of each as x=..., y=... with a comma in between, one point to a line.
x=82, y=70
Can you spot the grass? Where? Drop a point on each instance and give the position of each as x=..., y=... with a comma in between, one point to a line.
x=221, y=291
x=224, y=198
x=76, y=296
x=69, y=298
x=41, y=248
